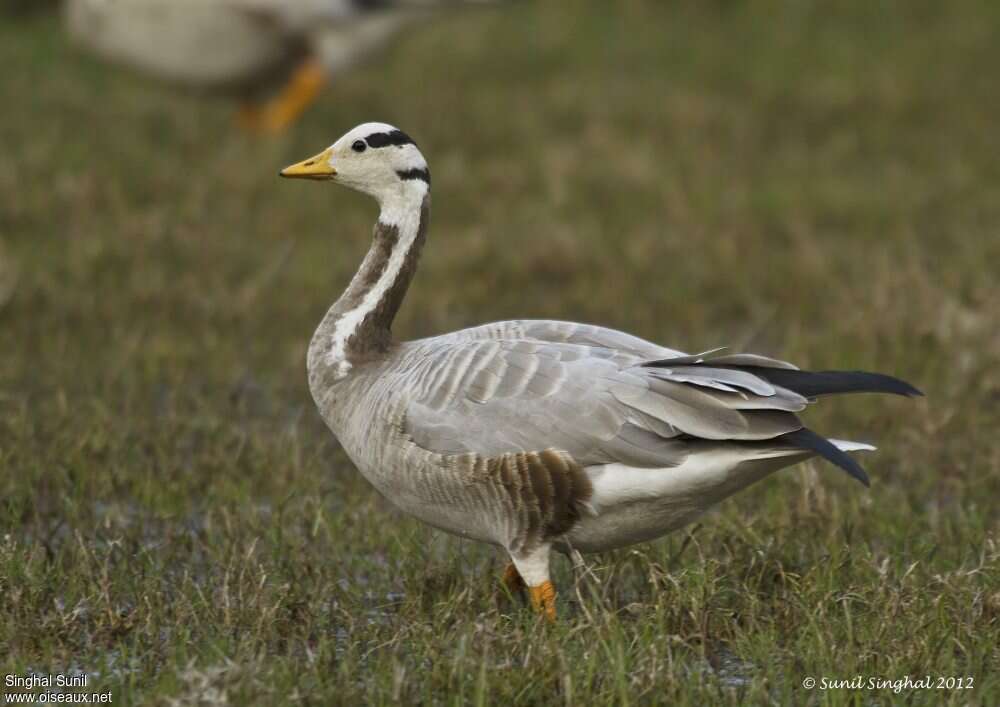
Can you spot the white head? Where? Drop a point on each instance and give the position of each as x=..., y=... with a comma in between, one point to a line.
x=374, y=158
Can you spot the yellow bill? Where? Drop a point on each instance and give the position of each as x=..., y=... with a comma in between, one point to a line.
x=317, y=167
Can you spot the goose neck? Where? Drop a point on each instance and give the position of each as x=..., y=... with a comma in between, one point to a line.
x=358, y=326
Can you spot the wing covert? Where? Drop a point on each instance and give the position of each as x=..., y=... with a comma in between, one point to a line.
x=492, y=397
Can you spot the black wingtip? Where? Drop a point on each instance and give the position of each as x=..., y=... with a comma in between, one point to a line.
x=815, y=383
x=807, y=439
x=891, y=384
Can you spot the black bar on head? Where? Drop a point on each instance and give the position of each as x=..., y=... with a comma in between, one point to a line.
x=415, y=173
x=393, y=137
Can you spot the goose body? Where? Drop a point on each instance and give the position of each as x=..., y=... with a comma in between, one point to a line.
x=229, y=45
x=536, y=435
x=244, y=47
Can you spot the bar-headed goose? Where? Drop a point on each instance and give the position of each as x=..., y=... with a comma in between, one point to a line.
x=535, y=434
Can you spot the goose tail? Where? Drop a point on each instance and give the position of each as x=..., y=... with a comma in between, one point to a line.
x=834, y=451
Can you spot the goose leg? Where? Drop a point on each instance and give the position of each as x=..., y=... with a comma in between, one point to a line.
x=513, y=581
x=280, y=111
x=533, y=569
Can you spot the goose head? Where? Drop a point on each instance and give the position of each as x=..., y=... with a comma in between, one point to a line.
x=374, y=158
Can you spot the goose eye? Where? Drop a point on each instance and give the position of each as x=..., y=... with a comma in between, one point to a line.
x=359, y=146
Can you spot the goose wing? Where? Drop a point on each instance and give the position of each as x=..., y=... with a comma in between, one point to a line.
x=599, y=405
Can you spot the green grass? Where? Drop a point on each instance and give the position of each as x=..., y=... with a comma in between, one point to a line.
x=818, y=181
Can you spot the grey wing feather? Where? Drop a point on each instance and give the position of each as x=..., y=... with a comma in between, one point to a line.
x=510, y=396
x=561, y=332
x=729, y=380
x=714, y=357
x=491, y=396
x=752, y=360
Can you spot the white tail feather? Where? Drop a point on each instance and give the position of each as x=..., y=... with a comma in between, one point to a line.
x=777, y=452
x=848, y=446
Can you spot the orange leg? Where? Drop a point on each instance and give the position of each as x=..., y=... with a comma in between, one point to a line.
x=513, y=581
x=281, y=111
x=543, y=599
x=531, y=567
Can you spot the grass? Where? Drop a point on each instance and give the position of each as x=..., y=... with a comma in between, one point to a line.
x=814, y=181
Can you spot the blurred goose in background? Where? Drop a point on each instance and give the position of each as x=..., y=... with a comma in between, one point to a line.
x=536, y=435
x=275, y=54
